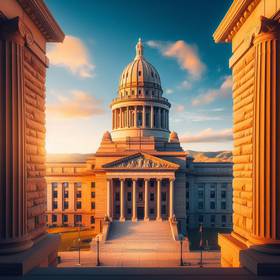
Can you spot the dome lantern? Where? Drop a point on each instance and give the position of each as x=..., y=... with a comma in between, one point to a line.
x=139, y=49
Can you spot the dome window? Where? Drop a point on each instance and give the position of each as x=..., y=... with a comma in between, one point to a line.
x=132, y=92
x=139, y=91
x=139, y=73
x=152, y=74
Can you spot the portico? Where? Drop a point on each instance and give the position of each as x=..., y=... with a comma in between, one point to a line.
x=143, y=192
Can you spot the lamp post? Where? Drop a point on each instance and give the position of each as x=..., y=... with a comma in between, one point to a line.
x=97, y=251
x=79, y=245
x=181, y=239
x=201, y=245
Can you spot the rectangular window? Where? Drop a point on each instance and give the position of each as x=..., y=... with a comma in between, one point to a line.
x=128, y=211
x=200, y=205
x=92, y=194
x=223, y=205
x=117, y=196
x=65, y=184
x=139, y=73
x=129, y=196
x=79, y=205
x=213, y=219
x=152, y=211
x=163, y=209
x=224, y=185
x=140, y=196
x=93, y=205
x=187, y=185
x=224, y=219
x=212, y=205
x=117, y=209
x=187, y=205
x=54, y=218
x=54, y=184
x=66, y=193
x=92, y=220
x=152, y=183
x=187, y=194
x=163, y=196
x=200, y=193
x=78, y=184
x=93, y=184
x=65, y=218
x=65, y=204
x=79, y=194
x=223, y=194
x=200, y=219
x=54, y=204
x=78, y=218
x=212, y=194
x=129, y=183
x=54, y=194
x=152, y=196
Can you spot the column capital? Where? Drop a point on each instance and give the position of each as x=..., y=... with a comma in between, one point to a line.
x=147, y=179
x=15, y=30
x=267, y=29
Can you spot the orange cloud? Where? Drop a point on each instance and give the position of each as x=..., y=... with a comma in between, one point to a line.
x=212, y=94
x=73, y=55
x=78, y=104
x=186, y=55
x=208, y=136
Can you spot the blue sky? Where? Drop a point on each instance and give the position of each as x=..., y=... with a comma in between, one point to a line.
x=100, y=41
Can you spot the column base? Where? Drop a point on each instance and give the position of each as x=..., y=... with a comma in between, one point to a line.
x=146, y=219
x=159, y=219
x=134, y=220
x=234, y=253
x=122, y=220
x=42, y=254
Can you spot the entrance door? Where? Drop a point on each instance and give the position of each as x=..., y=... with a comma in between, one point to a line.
x=140, y=213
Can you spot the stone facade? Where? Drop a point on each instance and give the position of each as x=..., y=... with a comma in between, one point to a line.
x=252, y=27
x=25, y=28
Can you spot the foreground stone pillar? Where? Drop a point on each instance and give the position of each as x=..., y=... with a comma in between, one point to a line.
x=146, y=209
x=255, y=34
x=134, y=210
x=122, y=217
x=159, y=199
x=171, y=198
x=266, y=160
x=13, y=226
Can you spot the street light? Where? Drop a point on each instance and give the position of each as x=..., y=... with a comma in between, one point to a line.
x=201, y=245
x=181, y=239
x=79, y=240
x=97, y=251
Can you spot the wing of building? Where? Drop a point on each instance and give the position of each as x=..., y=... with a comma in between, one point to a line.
x=140, y=171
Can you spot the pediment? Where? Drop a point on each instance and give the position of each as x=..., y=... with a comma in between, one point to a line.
x=141, y=161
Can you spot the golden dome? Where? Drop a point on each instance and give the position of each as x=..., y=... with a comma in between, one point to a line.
x=139, y=73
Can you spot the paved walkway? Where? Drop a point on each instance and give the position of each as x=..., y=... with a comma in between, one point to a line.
x=141, y=244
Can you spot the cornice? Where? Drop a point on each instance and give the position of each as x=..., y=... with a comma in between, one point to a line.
x=42, y=17
x=238, y=12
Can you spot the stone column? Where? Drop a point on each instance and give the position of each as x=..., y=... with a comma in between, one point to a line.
x=266, y=148
x=146, y=210
x=152, y=116
x=13, y=208
x=109, y=198
x=59, y=196
x=144, y=117
x=134, y=213
x=163, y=118
x=122, y=198
x=127, y=116
x=159, y=199
x=159, y=117
x=171, y=198
x=135, y=116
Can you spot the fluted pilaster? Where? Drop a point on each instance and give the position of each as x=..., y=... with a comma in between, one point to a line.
x=266, y=153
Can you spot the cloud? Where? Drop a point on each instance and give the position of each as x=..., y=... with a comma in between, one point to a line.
x=73, y=55
x=78, y=104
x=169, y=91
x=185, y=85
x=180, y=108
x=208, y=136
x=212, y=94
x=185, y=54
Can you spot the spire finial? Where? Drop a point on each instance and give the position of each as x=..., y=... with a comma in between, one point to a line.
x=139, y=49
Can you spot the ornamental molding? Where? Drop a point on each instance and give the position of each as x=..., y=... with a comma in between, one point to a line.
x=141, y=161
x=43, y=19
x=237, y=14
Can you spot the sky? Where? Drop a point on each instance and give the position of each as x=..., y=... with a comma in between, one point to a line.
x=84, y=70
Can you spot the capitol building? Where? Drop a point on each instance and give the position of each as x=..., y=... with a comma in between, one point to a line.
x=140, y=171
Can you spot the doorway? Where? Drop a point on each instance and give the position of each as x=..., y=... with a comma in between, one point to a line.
x=140, y=213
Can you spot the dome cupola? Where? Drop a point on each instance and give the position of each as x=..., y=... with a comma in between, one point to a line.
x=140, y=109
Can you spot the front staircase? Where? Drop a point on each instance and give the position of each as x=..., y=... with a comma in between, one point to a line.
x=141, y=236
